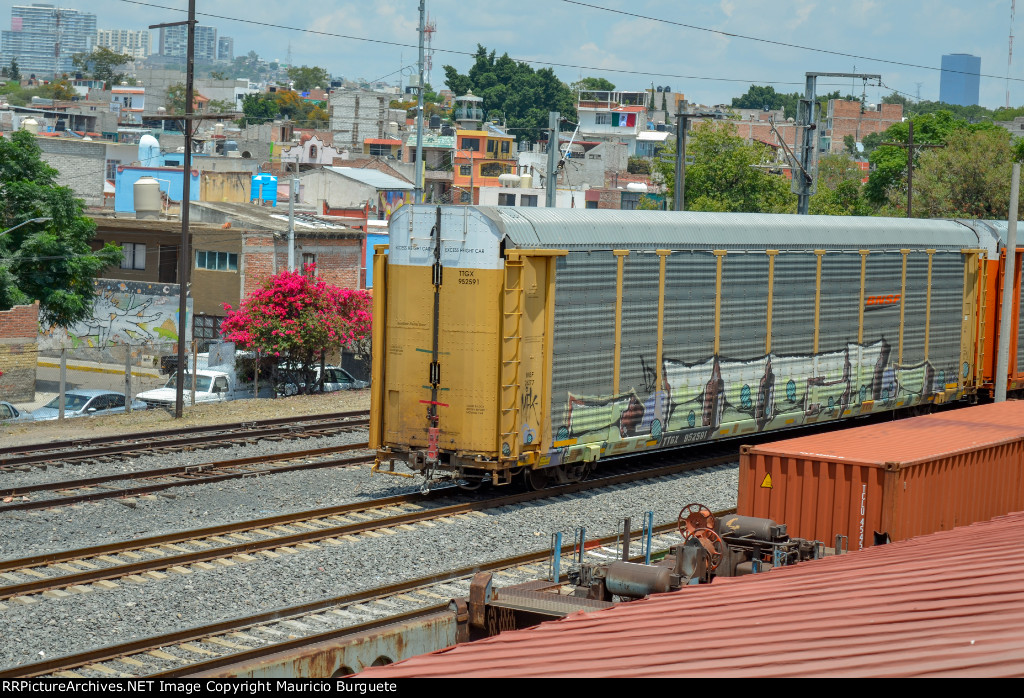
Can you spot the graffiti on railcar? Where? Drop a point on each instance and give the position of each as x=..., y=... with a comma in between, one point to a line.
x=695, y=400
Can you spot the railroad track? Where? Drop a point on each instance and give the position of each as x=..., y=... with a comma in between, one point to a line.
x=206, y=648
x=58, y=453
x=68, y=492
x=56, y=575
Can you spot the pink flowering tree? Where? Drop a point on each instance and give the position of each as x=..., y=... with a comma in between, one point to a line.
x=296, y=318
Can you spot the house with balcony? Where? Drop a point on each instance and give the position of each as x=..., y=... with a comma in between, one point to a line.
x=438, y=159
x=480, y=157
x=613, y=116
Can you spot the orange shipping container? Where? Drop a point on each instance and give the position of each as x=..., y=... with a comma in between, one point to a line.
x=904, y=478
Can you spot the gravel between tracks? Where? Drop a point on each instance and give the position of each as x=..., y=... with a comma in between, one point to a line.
x=170, y=459
x=54, y=627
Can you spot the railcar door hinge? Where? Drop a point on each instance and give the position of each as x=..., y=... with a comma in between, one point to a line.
x=437, y=273
x=435, y=373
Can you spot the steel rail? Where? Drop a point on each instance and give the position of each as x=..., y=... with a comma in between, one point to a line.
x=192, y=475
x=282, y=541
x=233, y=625
x=105, y=445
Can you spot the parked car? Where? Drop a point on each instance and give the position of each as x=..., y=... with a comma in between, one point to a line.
x=335, y=378
x=10, y=414
x=82, y=403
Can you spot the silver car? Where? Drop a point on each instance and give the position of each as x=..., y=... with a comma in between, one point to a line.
x=82, y=403
x=10, y=414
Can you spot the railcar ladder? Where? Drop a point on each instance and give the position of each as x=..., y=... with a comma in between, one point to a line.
x=511, y=340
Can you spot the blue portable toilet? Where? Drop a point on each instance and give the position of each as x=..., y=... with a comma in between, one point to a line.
x=264, y=187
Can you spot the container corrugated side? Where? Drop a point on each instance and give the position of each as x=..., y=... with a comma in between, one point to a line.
x=948, y=470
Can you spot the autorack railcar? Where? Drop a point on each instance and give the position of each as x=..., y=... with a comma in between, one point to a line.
x=540, y=341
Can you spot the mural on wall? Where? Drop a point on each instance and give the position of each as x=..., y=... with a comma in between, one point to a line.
x=771, y=391
x=390, y=201
x=124, y=312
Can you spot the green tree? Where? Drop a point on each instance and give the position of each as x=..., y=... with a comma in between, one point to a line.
x=176, y=98
x=50, y=262
x=592, y=85
x=12, y=72
x=969, y=178
x=220, y=106
x=889, y=162
x=727, y=174
x=896, y=98
x=218, y=75
x=259, y=109
x=305, y=79
x=102, y=64
x=58, y=89
x=524, y=95
x=839, y=188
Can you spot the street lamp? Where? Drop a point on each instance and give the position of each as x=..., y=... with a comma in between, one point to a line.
x=30, y=220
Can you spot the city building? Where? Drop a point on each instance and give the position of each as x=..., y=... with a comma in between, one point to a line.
x=613, y=116
x=225, y=49
x=480, y=158
x=959, y=80
x=351, y=192
x=438, y=156
x=137, y=44
x=359, y=114
x=43, y=38
x=853, y=118
x=174, y=42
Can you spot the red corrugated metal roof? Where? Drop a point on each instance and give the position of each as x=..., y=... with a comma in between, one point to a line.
x=947, y=604
x=911, y=440
x=383, y=141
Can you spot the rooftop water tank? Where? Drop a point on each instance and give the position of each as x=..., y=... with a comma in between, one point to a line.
x=509, y=180
x=149, y=151
x=435, y=121
x=636, y=186
x=148, y=203
x=218, y=129
x=526, y=181
x=30, y=125
x=264, y=188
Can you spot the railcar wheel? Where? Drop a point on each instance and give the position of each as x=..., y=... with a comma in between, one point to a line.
x=571, y=474
x=536, y=479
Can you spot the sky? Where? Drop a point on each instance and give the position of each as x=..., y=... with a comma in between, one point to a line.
x=636, y=45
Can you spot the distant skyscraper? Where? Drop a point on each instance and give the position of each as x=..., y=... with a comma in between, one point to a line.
x=174, y=42
x=44, y=38
x=225, y=49
x=959, y=81
x=137, y=44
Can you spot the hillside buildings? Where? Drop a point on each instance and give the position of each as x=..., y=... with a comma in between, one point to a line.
x=44, y=37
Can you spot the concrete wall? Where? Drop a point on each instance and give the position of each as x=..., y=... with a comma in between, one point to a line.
x=170, y=183
x=81, y=165
x=225, y=186
x=19, y=331
x=357, y=115
x=339, y=259
x=124, y=312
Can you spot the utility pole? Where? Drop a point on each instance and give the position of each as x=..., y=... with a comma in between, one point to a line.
x=804, y=183
x=184, y=257
x=291, y=223
x=1009, y=273
x=682, y=120
x=554, y=118
x=418, y=194
x=910, y=145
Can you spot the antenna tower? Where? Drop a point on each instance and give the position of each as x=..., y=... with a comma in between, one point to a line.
x=1009, y=53
x=428, y=30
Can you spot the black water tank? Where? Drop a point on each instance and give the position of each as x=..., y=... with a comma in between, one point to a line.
x=435, y=121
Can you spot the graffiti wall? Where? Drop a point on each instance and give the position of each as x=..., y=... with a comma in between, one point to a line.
x=389, y=201
x=142, y=314
x=722, y=397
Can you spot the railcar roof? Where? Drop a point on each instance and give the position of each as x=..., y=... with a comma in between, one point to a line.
x=582, y=229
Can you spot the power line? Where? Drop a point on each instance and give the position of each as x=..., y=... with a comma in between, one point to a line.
x=779, y=43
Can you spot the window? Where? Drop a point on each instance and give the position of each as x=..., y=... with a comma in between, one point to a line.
x=115, y=401
x=505, y=146
x=206, y=330
x=112, y=169
x=312, y=151
x=492, y=146
x=464, y=197
x=602, y=118
x=528, y=200
x=309, y=260
x=591, y=204
x=471, y=144
x=630, y=200
x=506, y=199
x=493, y=169
x=380, y=151
x=465, y=170
x=216, y=261
x=134, y=256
